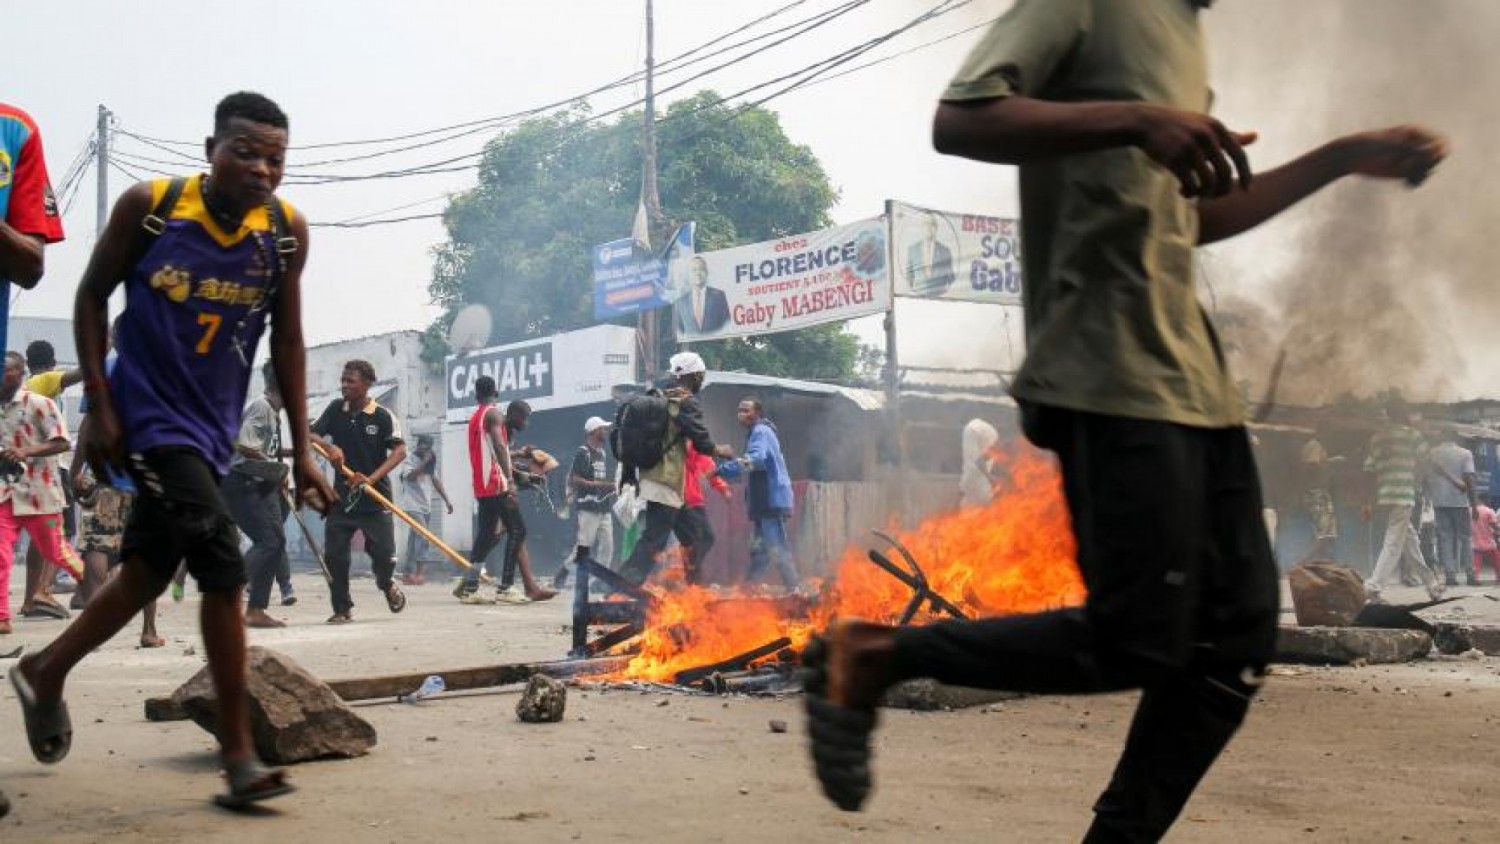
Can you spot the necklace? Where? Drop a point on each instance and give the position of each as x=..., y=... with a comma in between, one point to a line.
x=225, y=220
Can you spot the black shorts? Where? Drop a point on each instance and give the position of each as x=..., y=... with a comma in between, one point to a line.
x=180, y=515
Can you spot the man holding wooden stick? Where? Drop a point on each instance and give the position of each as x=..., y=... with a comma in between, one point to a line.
x=364, y=438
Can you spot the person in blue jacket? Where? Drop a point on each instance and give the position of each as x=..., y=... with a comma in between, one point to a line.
x=768, y=495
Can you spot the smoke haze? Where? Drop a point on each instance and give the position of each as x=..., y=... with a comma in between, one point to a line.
x=1367, y=285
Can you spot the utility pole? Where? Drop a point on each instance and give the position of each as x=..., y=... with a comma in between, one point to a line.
x=649, y=193
x=650, y=197
x=101, y=164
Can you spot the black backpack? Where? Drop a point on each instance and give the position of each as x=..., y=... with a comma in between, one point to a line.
x=642, y=432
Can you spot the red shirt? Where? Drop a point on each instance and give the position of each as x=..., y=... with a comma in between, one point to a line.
x=26, y=198
x=489, y=479
x=699, y=466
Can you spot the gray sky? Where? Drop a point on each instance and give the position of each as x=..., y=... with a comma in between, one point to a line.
x=346, y=70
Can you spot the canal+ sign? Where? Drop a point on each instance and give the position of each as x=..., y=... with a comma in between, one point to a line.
x=520, y=372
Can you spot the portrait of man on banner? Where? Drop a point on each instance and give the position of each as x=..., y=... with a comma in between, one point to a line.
x=929, y=261
x=705, y=308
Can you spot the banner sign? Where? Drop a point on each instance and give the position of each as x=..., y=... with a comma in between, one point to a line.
x=578, y=367
x=961, y=257
x=782, y=285
x=629, y=278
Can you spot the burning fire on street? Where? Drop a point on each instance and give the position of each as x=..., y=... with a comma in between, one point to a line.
x=1016, y=555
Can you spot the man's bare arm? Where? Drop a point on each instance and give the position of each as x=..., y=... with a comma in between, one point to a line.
x=71, y=377
x=1207, y=158
x=107, y=267
x=22, y=256
x=1403, y=152
x=289, y=357
x=494, y=423
x=392, y=460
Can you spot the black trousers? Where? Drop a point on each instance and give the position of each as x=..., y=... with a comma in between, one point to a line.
x=1182, y=604
x=696, y=521
x=661, y=522
x=495, y=512
x=259, y=510
x=380, y=544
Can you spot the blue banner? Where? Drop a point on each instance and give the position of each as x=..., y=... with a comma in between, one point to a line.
x=628, y=278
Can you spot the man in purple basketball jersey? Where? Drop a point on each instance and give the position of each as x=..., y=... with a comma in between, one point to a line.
x=205, y=261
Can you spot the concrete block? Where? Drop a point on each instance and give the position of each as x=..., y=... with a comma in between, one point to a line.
x=1344, y=645
x=1456, y=638
x=930, y=695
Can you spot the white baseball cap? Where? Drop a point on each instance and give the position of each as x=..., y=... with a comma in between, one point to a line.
x=594, y=424
x=686, y=363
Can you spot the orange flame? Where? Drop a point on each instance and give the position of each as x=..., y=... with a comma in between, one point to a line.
x=1017, y=555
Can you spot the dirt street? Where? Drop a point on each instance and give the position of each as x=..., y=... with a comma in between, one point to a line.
x=1349, y=754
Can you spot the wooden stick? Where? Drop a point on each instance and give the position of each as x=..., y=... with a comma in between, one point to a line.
x=394, y=685
x=415, y=525
x=312, y=544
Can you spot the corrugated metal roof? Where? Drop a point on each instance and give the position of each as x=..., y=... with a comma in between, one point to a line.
x=864, y=399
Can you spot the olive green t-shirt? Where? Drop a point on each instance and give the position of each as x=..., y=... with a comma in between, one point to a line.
x=1113, y=321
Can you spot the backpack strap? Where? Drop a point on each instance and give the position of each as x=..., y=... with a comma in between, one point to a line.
x=156, y=222
x=281, y=231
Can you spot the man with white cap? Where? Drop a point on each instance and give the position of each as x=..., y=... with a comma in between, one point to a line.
x=662, y=486
x=591, y=486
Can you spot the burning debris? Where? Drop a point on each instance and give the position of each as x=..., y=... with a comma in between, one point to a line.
x=1015, y=555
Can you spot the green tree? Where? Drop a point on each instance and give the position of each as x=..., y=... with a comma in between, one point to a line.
x=556, y=186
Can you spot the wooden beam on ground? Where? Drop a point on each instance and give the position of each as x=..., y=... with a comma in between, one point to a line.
x=395, y=685
x=735, y=663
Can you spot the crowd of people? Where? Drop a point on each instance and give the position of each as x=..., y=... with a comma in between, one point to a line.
x=655, y=503
x=1438, y=531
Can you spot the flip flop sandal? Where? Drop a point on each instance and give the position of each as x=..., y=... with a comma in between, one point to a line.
x=395, y=598
x=48, y=609
x=838, y=737
x=48, y=728
x=251, y=782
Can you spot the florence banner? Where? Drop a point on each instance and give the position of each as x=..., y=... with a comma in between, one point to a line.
x=781, y=285
x=961, y=257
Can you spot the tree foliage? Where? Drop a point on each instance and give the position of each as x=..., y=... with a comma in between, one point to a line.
x=558, y=185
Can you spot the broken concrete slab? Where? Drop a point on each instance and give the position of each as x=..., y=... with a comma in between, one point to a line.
x=930, y=695
x=1454, y=638
x=1345, y=645
x=543, y=701
x=294, y=717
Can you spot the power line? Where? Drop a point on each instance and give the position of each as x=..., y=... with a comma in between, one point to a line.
x=805, y=77
x=489, y=122
x=419, y=170
x=380, y=222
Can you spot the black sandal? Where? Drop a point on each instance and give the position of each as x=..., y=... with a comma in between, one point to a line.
x=49, y=730
x=251, y=782
x=839, y=737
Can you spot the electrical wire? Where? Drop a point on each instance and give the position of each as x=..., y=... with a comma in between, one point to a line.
x=379, y=222
x=662, y=67
x=807, y=76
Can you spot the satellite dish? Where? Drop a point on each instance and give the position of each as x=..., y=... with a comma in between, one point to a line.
x=470, y=329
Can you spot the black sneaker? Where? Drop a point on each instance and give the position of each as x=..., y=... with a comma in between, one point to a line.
x=395, y=598
x=289, y=600
x=464, y=589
